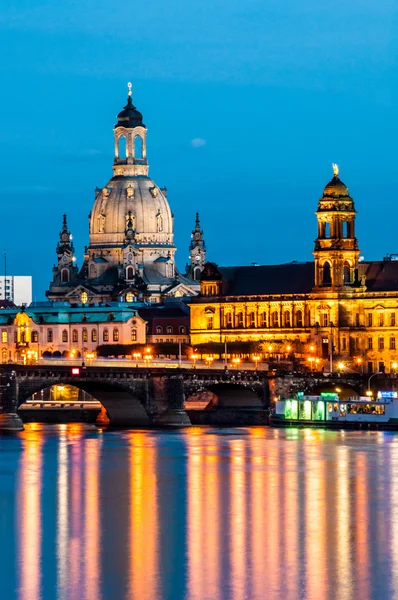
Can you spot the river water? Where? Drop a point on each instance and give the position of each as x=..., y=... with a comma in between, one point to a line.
x=199, y=514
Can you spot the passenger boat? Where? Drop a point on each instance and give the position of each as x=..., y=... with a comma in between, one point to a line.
x=327, y=410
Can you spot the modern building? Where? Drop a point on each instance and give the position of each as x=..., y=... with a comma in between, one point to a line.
x=335, y=309
x=16, y=289
x=59, y=329
x=131, y=251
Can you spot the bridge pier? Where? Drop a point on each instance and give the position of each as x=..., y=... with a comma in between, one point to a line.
x=9, y=419
x=175, y=415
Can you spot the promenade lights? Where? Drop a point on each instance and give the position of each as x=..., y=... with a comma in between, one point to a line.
x=256, y=359
x=236, y=362
x=312, y=348
x=136, y=355
x=340, y=366
x=147, y=359
x=270, y=348
x=311, y=360
x=393, y=366
x=288, y=348
x=90, y=355
x=317, y=361
x=369, y=393
x=194, y=357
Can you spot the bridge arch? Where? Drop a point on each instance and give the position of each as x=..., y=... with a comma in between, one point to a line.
x=124, y=404
x=228, y=394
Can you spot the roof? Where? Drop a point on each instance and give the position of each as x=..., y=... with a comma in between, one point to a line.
x=381, y=275
x=290, y=278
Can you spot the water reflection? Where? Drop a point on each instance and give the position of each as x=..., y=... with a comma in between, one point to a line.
x=202, y=514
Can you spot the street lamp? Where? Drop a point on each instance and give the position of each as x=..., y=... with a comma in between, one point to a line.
x=147, y=359
x=136, y=355
x=359, y=362
x=256, y=359
x=209, y=360
x=394, y=366
x=311, y=360
x=194, y=357
x=369, y=391
x=236, y=361
x=340, y=366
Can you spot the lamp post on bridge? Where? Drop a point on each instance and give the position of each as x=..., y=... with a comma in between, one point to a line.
x=369, y=391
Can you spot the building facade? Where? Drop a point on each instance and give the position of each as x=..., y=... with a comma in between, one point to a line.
x=166, y=324
x=16, y=289
x=60, y=330
x=334, y=312
x=131, y=251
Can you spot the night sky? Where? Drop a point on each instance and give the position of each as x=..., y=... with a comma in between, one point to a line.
x=247, y=104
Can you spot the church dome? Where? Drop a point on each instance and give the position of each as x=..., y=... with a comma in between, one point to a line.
x=152, y=219
x=129, y=117
x=336, y=187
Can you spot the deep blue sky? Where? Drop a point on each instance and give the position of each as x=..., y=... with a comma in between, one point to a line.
x=277, y=90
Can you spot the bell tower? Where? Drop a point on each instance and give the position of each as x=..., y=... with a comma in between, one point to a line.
x=336, y=247
x=130, y=141
x=66, y=269
x=197, y=252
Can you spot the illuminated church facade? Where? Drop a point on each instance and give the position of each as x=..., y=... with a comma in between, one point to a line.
x=337, y=311
x=131, y=251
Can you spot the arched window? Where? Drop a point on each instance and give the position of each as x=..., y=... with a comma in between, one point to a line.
x=196, y=273
x=4, y=337
x=287, y=318
x=159, y=329
x=275, y=319
x=129, y=297
x=251, y=318
x=64, y=335
x=182, y=329
x=239, y=320
x=345, y=229
x=4, y=355
x=263, y=319
x=23, y=337
x=228, y=320
x=326, y=274
x=34, y=336
x=133, y=335
x=84, y=335
x=65, y=275
x=84, y=297
x=93, y=335
x=210, y=322
x=169, y=329
x=49, y=335
x=299, y=318
x=93, y=271
x=129, y=273
x=122, y=147
x=138, y=146
x=105, y=335
x=346, y=272
x=115, y=335
x=75, y=336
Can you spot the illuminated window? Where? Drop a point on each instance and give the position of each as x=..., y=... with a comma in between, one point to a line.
x=133, y=335
x=252, y=319
x=4, y=337
x=287, y=318
x=299, y=318
x=129, y=297
x=344, y=344
x=263, y=319
x=381, y=343
x=35, y=336
x=228, y=320
x=75, y=337
x=93, y=335
x=159, y=329
x=392, y=319
x=4, y=355
x=239, y=320
x=370, y=343
x=49, y=335
x=105, y=336
x=84, y=335
x=325, y=320
x=64, y=335
x=275, y=319
x=392, y=343
x=346, y=273
x=84, y=297
x=381, y=320
x=370, y=320
x=115, y=335
x=210, y=322
x=182, y=329
x=169, y=329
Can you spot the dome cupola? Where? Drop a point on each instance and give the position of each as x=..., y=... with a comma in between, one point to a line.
x=336, y=188
x=129, y=117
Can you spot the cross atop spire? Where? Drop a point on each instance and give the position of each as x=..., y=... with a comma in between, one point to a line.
x=130, y=86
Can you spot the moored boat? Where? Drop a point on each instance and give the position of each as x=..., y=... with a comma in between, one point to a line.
x=329, y=411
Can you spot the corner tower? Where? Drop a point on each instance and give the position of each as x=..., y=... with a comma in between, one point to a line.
x=336, y=247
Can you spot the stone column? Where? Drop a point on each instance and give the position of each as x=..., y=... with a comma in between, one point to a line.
x=175, y=415
x=9, y=420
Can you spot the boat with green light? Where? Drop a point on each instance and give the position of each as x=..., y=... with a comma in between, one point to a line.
x=329, y=411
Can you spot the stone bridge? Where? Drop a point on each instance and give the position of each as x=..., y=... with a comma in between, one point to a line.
x=150, y=397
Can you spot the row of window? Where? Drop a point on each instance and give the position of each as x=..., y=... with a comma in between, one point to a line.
x=65, y=336
x=381, y=320
x=252, y=320
x=170, y=329
x=380, y=343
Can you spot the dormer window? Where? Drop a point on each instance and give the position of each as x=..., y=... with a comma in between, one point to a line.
x=84, y=297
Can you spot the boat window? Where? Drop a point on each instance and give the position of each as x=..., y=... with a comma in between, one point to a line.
x=335, y=407
x=366, y=409
x=330, y=407
x=343, y=411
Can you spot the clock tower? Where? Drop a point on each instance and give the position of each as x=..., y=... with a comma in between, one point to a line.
x=66, y=269
x=197, y=252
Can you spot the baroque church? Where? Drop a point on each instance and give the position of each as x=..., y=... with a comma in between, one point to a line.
x=335, y=308
x=131, y=253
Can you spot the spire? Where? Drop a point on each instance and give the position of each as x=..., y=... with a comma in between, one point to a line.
x=197, y=251
x=129, y=86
